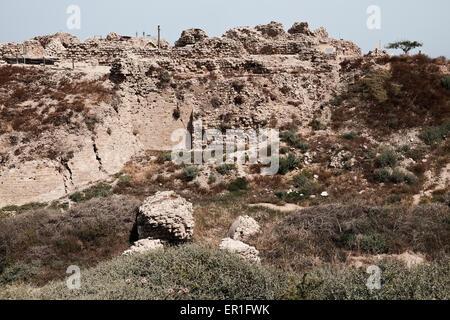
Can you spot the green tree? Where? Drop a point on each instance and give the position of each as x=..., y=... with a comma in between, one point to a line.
x=406, y=45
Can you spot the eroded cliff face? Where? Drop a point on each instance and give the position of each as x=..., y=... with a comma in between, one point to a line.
x=63, y=129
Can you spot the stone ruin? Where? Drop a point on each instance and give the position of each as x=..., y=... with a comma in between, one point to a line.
x=263, y=39
x=244, y=79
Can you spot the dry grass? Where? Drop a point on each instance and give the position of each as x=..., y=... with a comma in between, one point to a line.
x=215, y=214
x=330, y=233
x=84, y=235
x=409, y=95
x=34, y=100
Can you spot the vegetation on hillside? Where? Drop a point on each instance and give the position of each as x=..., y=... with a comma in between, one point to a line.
x=409, y=94
x=38, y=245
x=35, y=101
x=195, y=272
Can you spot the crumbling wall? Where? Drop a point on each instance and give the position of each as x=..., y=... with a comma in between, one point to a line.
x=249, y=78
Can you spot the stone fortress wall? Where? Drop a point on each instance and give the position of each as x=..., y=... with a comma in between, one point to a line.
x=243, y=79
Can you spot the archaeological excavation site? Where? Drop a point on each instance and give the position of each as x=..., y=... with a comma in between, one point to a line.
x=88, y=176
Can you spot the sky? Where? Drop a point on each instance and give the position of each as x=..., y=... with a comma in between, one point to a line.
x=423, y=21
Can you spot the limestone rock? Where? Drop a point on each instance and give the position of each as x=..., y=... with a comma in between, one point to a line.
x=166, y=216
x=342, y=160
x=191, y=36
x=321, y=33
x=112, y=36
x=241, y=249
x=300, y=28
x=66, y=39
x=243, y=228
x=143, y=246
x=272, y=30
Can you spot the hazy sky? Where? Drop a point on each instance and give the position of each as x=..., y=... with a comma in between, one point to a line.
x=425, y=21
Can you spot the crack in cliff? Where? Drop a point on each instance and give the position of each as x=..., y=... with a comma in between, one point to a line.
x=65, y=165
x=97, y=156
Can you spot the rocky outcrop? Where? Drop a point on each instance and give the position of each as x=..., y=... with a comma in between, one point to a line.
x=143, y=246
x=343, y=159
x=301, y=28
x=243, y=228
x=241, y=249
x=271, y=30
x=113, y=37
x=191, y=36
x=166, y=216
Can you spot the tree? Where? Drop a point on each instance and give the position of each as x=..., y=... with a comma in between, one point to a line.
x=406, y=46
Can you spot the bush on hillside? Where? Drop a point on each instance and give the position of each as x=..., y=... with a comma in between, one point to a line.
x=288, y=163
x=424, y=282
x=190, y=173
x=186, y=272
x=435, y=135
x=293, y=139
x=83, y=235
x=328, y=233
x=387, y=158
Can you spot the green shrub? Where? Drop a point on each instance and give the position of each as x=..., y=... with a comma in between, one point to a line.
x=305, y=185
x=124, y=181
x=399, y=176
x=382, y=175
x=20, y=272
x=190, y=173
x=212, y=179
x=317, y=125
x=76, y=197
x=293, y=139
x=446, y=82
x=291, y=196
x=404, y=149
x=101, y=190
x=395, y=176
x=23, y=208
x=288, y=164
x=164, y=157
x=435, y=135
x=225, y=169
x=164, y=77
x=284, y=150
x=238, y=184
x=371, y=154
x=350, y=135
x=388, y=158
x=373, y=244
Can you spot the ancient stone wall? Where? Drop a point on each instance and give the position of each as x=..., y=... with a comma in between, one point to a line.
x=244, y=79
